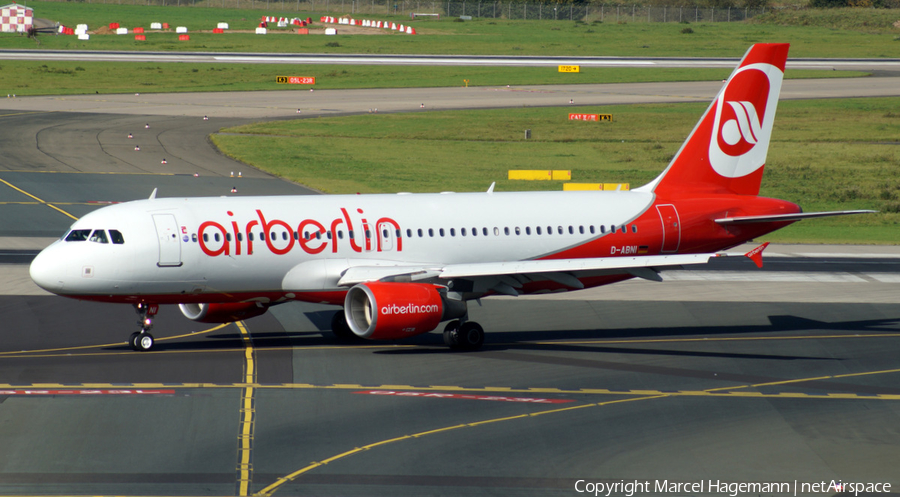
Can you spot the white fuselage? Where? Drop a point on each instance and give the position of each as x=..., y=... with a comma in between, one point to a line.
x=196, y=248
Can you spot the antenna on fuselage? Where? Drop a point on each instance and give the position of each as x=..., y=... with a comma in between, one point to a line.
x=491, y=189
x=153, y=195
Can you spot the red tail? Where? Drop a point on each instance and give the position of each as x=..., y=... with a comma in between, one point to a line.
x=727, y=150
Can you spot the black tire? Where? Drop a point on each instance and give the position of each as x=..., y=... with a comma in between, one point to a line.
x=470, y=336
x=340, y=328
x=143, y=342
x=133, y=341
x=451, y=334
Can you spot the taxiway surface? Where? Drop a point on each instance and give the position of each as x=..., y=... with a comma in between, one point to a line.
x=729, y=375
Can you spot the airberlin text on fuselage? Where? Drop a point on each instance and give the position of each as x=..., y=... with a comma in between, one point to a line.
x=311, y=235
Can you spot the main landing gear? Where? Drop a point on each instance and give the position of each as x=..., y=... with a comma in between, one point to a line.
x=340, y=328
x=463, y=335
x=142, y=341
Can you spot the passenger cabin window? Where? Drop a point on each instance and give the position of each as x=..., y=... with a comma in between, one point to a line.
x=78, y=235
x=99, y=236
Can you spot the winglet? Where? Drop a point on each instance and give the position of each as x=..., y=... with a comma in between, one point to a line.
x=153, y=195
x=755, y=255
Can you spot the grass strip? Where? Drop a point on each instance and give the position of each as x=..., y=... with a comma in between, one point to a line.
x=68, y=78
x=868, y=34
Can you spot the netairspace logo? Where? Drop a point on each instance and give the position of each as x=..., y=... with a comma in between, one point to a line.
x=732, y=489
x=393, y=309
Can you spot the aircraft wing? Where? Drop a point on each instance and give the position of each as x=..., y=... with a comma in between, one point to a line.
x=563, y=271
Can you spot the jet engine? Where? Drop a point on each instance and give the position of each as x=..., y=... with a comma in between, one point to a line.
x=387, y=311
x=222, y=313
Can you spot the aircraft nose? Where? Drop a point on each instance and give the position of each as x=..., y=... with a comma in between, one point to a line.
x=48, y=270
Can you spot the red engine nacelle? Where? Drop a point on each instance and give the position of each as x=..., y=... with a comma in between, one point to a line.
x=387, y=311
x=222, y=313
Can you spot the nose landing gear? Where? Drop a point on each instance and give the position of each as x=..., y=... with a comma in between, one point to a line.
x=142, y=341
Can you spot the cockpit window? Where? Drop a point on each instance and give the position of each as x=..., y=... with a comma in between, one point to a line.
x=78, y=235
x=99, y=236
x=116, y=237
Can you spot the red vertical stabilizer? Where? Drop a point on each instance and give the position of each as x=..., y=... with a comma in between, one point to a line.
x=726, y=151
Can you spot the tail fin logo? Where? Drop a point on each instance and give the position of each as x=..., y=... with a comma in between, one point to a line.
x=745, y=113
x=745, y=125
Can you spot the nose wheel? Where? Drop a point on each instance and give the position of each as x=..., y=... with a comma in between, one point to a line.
x=142, y=341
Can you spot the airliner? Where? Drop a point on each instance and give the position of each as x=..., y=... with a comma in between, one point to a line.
x=402, y=264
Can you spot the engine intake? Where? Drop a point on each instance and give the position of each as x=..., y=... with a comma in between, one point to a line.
x=387, y=311
x=222, y=313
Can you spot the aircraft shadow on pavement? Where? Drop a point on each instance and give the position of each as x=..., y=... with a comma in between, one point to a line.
x=271, y=335
x=555, y=340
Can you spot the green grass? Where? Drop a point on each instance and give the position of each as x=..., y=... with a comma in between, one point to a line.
x=480, y=36
x=66, y=78
x=874, y=21
x=825, y=154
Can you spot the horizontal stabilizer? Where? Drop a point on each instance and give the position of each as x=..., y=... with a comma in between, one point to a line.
x=786, y=217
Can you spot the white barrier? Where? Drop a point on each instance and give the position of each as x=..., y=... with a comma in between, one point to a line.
x=260, y=31
x=84, y=37
x=330, y=31
x=155, y=25
x=181, y=30
x=122, y=31
x=222, y=25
